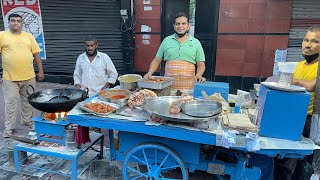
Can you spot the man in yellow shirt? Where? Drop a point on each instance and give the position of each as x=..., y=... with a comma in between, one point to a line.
x=306, y=71
x=18, y=50
x=304, y=75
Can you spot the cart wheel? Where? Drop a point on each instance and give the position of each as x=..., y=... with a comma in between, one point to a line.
x=159, y=162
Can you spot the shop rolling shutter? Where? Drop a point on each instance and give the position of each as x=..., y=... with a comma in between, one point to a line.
x=67, y=22
x=305, y=13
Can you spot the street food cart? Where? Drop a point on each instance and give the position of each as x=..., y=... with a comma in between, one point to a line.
x=176, y=147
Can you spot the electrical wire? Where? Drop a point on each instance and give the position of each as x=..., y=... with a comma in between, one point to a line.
x=124, y=27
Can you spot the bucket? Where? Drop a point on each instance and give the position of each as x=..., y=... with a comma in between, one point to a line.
x=70, y=135
x=71, y=146
x=285, y=79
x=129, y=81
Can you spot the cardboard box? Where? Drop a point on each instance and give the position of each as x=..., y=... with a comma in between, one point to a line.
x=211, y=88
x=282, y=114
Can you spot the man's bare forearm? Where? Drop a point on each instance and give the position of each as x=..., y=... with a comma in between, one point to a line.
x=310, y=85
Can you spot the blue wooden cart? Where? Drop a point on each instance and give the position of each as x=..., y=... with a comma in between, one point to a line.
x=166, y=152
x=169, y=152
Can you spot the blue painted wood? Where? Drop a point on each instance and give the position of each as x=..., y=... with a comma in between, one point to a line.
x=282, y=114
x=190, y=152
x=241, y=172
x=140, y=127
x=51, y=128
x=133, y=133
x=63, y=154
x=111, y=142
x=199, y=137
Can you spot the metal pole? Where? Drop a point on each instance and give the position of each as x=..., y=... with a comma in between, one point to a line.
x=316, y=111
x=316, y=106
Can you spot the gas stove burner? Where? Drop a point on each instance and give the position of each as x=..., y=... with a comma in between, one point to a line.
x=61, y=116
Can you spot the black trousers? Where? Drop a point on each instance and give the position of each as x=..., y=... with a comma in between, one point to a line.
x=295, y=169
x=284, y=168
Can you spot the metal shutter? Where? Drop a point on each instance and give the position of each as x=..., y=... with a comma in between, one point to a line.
x=67, y=22
x=305, y=13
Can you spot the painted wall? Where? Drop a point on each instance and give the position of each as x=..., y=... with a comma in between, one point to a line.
x=249, y=33
x=147, y=32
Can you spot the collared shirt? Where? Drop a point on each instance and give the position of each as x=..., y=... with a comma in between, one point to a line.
x=17, y=52
x=190, y=50
x=307, y=72
x=94, y=75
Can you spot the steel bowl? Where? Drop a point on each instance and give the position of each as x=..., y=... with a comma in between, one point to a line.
x=129, y=81
x=201, y=108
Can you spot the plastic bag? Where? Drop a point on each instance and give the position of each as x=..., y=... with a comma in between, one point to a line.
x=217, y=97
x=244, y=98
x=315, y=129
x=287, y=67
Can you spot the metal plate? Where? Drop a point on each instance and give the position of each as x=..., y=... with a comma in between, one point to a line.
x=160, y=107
x=216, y=169
x=81, y=105
x=201, y=108
x=274, y=85
x=168, y=81
x=137, y=113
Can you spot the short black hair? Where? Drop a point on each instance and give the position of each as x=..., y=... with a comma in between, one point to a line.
x=14, y=15
x=314, y=28
x=181, y=14
x=90, y=38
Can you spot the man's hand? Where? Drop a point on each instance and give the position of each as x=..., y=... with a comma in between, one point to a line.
x=201, y=67
x=200, y=79
x=148, y=75
x=40, y=76
x=105, y=86
x=310, y=85
x=78, y=86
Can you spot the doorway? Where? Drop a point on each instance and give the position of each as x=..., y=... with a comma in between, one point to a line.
x=203, y=19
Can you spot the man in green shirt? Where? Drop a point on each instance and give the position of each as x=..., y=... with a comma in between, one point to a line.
x=182, y=52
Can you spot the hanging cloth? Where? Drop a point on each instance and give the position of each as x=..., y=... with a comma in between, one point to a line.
x=82, y=135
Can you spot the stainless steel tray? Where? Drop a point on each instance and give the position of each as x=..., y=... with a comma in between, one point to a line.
x=106, y=95
x=201, y=108
x=156, y=85
x=137, y=113
x=81, y=105
x=160, y=107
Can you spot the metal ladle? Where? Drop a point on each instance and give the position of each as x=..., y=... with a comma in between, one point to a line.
x=60, y=98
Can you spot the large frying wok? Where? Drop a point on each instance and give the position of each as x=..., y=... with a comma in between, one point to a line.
x=67, y=99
